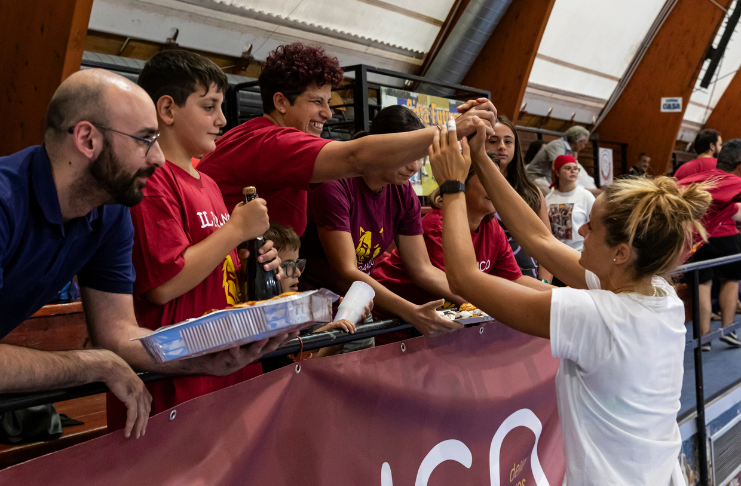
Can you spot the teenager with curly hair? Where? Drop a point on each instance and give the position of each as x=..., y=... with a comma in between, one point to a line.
x=281, y=153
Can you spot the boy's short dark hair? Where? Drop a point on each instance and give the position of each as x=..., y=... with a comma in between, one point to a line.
x=179, y=74
x=283, y=237
x=704, y=139
x=730, y=155
x=291, y=68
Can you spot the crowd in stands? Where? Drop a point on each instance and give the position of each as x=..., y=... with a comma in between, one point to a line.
x=507, y=231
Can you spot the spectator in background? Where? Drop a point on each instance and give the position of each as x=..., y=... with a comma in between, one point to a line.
x=535, y=147
x=708, y=144
x=573, y=142
x=723, y=238
x=504, y=148
x=641, y=168
x=569, y=205
x=281, y=152
x=353, y=221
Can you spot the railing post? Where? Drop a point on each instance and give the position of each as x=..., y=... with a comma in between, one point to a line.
x=702, y=439
x=360, y=98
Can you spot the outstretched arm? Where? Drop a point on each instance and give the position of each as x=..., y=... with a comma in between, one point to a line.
x=340, y=251
x=529, y=230
x=517, y=306
x=422, y=272
x=375, y=154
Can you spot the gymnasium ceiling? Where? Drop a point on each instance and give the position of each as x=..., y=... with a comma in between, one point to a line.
x=586, y=49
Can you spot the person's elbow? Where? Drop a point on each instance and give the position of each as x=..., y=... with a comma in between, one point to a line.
x=158, y=295
x=356, y=164
x=346, y=275
x=458, y=279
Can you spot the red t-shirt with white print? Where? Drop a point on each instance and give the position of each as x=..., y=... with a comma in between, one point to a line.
x=179, y=211
x=493, y=254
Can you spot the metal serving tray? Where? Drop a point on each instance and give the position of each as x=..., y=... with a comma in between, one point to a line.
x=230, y=328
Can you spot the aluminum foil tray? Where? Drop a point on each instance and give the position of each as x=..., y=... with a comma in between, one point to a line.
x=230, y=328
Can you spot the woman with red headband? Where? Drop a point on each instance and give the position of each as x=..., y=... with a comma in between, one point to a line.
x=568, y=204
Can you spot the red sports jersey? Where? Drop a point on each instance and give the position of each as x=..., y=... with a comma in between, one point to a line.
x=493, y=253
x=179, y=211
x=277, y=160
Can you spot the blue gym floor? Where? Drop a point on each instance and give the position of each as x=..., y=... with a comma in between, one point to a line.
x=721, y=369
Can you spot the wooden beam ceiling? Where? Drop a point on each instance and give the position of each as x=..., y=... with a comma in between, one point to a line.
x=504, y=64
x=725, y=115
x=43, y=42
x=668, y=69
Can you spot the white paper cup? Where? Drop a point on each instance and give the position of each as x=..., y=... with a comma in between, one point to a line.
x=355, y=301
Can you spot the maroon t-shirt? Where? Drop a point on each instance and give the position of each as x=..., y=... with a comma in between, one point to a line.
x=493, y=254
x=373, y=219
x=277, y=160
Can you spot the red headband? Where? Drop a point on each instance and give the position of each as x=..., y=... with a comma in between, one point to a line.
x=560, y=161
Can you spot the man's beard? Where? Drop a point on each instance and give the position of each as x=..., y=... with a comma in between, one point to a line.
x=121, y=187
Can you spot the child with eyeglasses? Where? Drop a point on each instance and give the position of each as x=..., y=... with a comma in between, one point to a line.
x=287, y=242
x=568, y=204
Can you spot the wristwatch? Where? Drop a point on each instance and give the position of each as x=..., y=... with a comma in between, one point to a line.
x=452, y=187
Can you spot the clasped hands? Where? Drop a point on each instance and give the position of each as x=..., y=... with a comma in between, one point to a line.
x=451, y=163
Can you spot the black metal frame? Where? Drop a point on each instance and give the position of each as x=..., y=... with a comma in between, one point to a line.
x=360, y=86
x=15, y=401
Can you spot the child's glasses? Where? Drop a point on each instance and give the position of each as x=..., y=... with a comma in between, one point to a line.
x=290, y=267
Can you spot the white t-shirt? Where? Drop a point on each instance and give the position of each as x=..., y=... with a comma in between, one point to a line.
x=568, y=211
x=619, y=383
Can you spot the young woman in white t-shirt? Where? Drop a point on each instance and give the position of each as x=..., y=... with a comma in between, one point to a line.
x=568, y=204
x=618, y=331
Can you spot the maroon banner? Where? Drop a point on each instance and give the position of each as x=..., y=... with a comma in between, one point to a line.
x=474, y=407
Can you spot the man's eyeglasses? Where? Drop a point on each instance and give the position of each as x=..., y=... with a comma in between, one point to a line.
x=290, y=267
x=148, y=142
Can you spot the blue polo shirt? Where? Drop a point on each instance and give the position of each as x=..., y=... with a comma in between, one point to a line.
x=39, y=253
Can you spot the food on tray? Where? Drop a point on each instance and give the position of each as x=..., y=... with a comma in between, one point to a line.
x=467, y=307
x=452, y=314
x=253, y=302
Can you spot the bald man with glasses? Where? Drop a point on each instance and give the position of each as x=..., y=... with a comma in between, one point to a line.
x=64, y=211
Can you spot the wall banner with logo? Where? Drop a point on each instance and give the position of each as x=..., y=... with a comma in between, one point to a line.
x=606, y=168
x=477, y=406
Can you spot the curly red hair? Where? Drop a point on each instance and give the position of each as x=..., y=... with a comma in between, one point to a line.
x=291, y=68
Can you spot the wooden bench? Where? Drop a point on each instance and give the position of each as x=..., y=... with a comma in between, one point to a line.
x=57, y=327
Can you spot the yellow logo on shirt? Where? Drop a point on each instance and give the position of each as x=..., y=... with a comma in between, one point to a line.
x=229, y=282
x=364, y=249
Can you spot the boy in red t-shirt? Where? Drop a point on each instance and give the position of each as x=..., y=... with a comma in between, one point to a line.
x=185, y=239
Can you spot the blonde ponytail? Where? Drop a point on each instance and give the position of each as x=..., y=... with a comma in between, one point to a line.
x=658, y=218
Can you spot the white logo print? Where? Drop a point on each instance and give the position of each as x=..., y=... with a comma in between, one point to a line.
x=212, y=219
x=455, y=450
